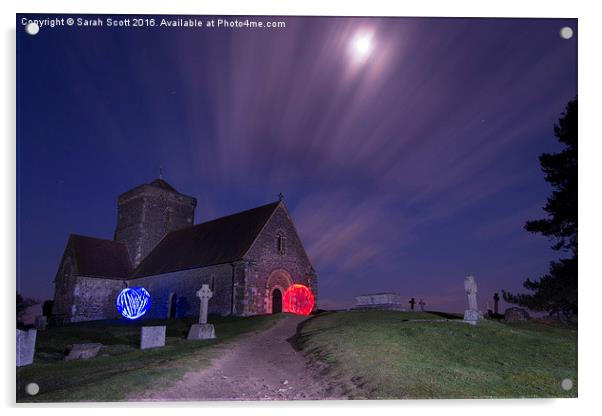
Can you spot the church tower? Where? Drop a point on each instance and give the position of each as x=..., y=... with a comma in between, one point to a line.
x=148, y=212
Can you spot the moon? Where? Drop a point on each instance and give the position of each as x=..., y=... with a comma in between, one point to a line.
x=361, y=46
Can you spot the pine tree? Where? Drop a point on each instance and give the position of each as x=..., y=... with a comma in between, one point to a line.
x=556, y=292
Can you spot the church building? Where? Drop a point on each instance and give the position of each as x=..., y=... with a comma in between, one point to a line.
x=248, y=259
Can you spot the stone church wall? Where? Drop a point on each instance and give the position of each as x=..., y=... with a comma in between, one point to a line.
x=275, y=260
x=64, y=284
x=95, y=298
x=146, y=214
x=265, y=258
x=184, y=285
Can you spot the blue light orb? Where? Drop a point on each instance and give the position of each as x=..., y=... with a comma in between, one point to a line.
x=133, y=302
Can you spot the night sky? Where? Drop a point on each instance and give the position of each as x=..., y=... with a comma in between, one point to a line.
x=406, y=148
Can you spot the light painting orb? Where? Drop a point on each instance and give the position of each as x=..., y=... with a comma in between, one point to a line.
x=298, y=299
x=133, y=302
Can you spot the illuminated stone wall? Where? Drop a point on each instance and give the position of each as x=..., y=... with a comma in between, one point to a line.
x=184, y=284
x=94, y=298
x=275, y=260
x=265, y=259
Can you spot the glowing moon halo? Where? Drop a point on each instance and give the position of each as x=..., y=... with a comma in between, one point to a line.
x=361, y=46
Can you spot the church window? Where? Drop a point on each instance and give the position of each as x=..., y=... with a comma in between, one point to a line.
x=172, y=306
x=281, y=244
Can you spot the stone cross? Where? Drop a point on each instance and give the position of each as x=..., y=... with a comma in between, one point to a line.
x=204, y=294
x=496, y=299
x=421, y=303
x=412, y=303
x=470, y=286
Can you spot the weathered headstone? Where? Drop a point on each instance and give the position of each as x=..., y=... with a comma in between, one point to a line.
x=26, y=346
x=412, y=302
x=40, y=323
x=422, y=304
x=152, y=337
x=83, y=351
x=496, y=300
x=202, y=330
x=472, y=314
x=516, y=314
x=378, y=301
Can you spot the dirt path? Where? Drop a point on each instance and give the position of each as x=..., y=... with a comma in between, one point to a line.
x=263, y=366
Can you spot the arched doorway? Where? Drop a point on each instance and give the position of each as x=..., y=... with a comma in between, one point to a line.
x=276, y=301
x=172, y=306
x=277, y=283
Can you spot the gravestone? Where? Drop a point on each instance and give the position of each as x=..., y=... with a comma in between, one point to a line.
x=422, y=304
x=202, y=330
x=40, y=323
x=83, y=351
x=152, y=337
x=389, y=301
x=412, y=302
x=26, y=346
x=472, y=314
x=516, y=314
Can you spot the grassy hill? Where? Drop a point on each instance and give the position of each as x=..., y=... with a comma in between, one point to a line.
x=121, y=367
x=386, y=354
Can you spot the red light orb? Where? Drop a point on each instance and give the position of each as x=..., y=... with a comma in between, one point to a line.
x=298, y=299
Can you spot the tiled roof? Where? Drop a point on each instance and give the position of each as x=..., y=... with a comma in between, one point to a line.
x=95, y=257
x=222, y=240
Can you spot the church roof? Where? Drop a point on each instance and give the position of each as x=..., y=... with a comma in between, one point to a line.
x=95, y=257
x=222, y=240
x=161, y=183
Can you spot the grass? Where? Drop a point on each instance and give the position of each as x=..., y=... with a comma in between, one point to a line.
x=122, y=369
x=382, y=354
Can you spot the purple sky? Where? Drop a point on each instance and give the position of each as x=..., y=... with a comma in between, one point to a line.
x=404, y=171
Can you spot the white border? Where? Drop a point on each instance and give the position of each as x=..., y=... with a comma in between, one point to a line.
x=590, y=291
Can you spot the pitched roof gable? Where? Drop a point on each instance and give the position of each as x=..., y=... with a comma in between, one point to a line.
x=95, y=257
x=160, y=183
x=218, y=241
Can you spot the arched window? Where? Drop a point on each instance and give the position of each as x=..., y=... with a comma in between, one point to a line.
x=172, y=306
x=281, y=244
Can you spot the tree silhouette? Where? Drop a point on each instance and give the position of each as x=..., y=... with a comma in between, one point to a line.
x=47, y=307
x=556, y=291
x=22, y=304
